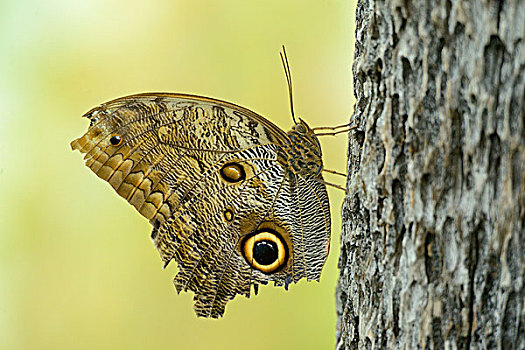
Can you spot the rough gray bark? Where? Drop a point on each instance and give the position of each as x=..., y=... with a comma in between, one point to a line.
x=432, y=249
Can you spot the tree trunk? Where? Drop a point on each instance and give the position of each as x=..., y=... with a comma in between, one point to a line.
x=432, y=249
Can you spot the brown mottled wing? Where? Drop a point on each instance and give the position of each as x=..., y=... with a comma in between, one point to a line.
x=165, y=153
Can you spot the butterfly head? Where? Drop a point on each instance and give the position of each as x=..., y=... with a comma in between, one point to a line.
x=304, y=152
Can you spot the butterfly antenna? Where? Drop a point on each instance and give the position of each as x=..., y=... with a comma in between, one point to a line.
x=288, y=74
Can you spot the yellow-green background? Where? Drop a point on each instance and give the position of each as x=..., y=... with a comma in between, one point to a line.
x=77, y=267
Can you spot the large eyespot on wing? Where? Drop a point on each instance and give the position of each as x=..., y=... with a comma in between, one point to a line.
x=265, y=250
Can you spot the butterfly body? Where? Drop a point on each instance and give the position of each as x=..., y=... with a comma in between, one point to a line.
x=233, y=199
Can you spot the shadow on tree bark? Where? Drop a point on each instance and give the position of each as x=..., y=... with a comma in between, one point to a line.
x=432, y=249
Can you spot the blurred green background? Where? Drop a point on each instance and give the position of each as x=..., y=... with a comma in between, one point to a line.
x=77, y=266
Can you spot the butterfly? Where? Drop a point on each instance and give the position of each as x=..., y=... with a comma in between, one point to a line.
x=232, y=198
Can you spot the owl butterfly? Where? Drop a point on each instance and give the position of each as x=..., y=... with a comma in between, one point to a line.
x=232, y=198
